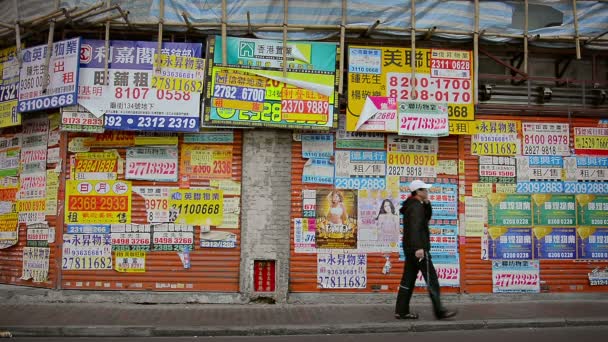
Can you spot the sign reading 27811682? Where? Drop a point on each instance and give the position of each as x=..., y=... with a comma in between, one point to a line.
x=61, y=86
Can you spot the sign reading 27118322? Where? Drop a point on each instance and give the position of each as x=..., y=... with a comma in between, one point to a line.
x=60, y=88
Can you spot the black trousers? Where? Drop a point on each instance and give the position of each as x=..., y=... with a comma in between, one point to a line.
x=408, y=281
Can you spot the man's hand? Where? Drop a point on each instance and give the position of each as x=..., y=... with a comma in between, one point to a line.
x=420, y=254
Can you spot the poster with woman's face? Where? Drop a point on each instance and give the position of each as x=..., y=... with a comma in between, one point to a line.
x=378, y=221
x=336, y=219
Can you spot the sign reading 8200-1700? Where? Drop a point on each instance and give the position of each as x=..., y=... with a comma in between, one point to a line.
x=61, y=86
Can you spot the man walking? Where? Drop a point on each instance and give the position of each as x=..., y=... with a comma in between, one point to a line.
x=417, y=212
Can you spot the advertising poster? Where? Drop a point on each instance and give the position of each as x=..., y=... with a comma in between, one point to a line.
x=341, y=270
x=96, y=166
x=336, y=221
x=592, y=210
x=98, y=202
x=494, y=169
x=515, y=276
x=309, y=203
x=9, y=187
x=495, y=145
x=509, y=210
x=78, y=119
x=129, y=100
x=448, y=271
x=546, y=139
x=37, y=235
x=183, y=73
x=317, y=145
x=232, y=211
x=9, y=85
x=172, y=237
x=591, y=141
x=9, y=230
x=130, y=261
x=535, y=168
x=592, y=243
x=205, y=161
x=444, y=239
x=31, y=198
x=318, y=171
x=62, y=86
x=591, y=169
x=152, y=163
x=10, y=150
x=554, y=243
x=379, y=114
x=598, y=277
x=196, y=207
x=423, y=119
x=358, y=140
x=131, y=237
x=360, y=169
x=507, y=243
x=378, y=219
x=84, y=252
x=36, y=264
x=218, y=239
x=253, y=91
x=443, y=76
x=444, y=197
x=304, y=235
x=156, y=200
x=554, y=210
x=412, y=156
x=476, y=215
x=210, y=137
x=89, y=229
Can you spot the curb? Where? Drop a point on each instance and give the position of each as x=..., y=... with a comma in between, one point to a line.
x=393, y=327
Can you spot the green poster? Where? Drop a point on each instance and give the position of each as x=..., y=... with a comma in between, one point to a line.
x=554, y=210
x=511, y=210
x=591, y=210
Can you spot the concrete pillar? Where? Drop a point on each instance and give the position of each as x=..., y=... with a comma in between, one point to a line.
x=266, y=208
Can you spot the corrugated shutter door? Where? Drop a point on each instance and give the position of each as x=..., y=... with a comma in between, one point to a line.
x=555, y=276
x=303, y=266
x=212, y=269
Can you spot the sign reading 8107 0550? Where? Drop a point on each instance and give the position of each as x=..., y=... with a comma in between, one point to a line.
x=60, y=87
x=251, y=89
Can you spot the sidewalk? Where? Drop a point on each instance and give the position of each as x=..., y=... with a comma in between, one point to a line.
x=62, y=319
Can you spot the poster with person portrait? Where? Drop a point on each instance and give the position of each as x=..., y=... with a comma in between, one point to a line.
x=336, y=219
x=378, y=221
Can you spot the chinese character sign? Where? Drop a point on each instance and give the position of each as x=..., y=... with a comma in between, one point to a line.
x=60, y=90
x=592, y=243
x=93, y=202
x=510, y=243
x=555, y=243
x=509, y=210
x=515, y=276
x=206, y=161
x=342, y=270
x=360, y=169
x=336, y=219
x=592, y=210
x=196, y=207
x=152, y=163
x=87, y=252
x=9, y=84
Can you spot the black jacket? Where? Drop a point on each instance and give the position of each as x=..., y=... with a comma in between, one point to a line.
x=416, y=216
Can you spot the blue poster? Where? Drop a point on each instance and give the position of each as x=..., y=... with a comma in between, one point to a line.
x=363, y=170
x=554, y=243
x=592, y=243
x=134, y=99
x=444, y=198
x=510, y=243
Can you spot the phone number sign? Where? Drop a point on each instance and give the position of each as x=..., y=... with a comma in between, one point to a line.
x=98, y=202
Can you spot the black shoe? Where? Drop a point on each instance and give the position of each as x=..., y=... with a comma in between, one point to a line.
x=406, y=316
x=447, y=314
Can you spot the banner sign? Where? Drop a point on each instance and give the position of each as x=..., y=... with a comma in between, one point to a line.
x=448, y=271
x=536, y=168
x=515, y=276
x=509, y=210
x=379, y=114
x=131, y=237
x=591, y=169
x=93, y=202
x=554, y=210
x=130, y=261
x=441, y=76
x=205, y=161
x=156, y=200
x=336, y=221
x=360, y=170
x=152, y=163
x=592, y=210
x=357, y=140
x=546, y=139
x=83, y=252
x=253, y=91
x=9, y=84
x=497, y=169
x=342, y=270
x=172, y=237
x=129, y=101
x=317, y=145
x=63, y=68
x=318, y=171
x=510, y=243
x=591, y=141
x=423, y=119
x=554, y=243
x=495, y=145
x=592, y=243
x=304, y=235
x=378, y=227
x=36, y=264
x=196, y=206
x=183, y=73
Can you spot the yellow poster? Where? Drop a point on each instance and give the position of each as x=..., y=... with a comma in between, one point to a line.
x=482, y=189
x=442, y=76
x=130, y=261
x=506, y=188
x=205, y=161
x=96, y=165
x=9, y=84
x=98, y=202
x=52, y=189
x=9, y=230
x=230, y=187
x=197, y=206
x=143, y=140
x=183, y=73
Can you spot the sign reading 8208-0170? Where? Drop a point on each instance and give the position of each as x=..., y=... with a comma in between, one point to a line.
x=60, y=87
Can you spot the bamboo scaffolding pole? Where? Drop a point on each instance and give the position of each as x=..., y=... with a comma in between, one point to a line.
x=49, y=52
x=577, y=41
x=188, y=23
x=7, y=26
x=413, y=52
x=249, y=29
x=342, y=48
x=285, y=21
x=526, y=18
x=17, y=33
x=106, y=75
x=476, y=55
x=224, y=34
x=159, y=44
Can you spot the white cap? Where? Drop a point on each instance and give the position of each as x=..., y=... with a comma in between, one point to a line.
x=418, y=184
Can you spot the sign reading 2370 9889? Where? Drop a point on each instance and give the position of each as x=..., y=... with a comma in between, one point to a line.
x=251, y=90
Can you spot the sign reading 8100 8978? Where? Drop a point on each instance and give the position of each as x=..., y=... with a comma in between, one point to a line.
x=251, y=89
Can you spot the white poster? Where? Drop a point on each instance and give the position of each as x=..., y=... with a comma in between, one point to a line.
x=520, y=276
x=83, y=252
x=152, y=163
x=35, y=263
x=156, y=199
x=378, y=221
x=317, y=145
x=341, y=270
x=546, y=139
